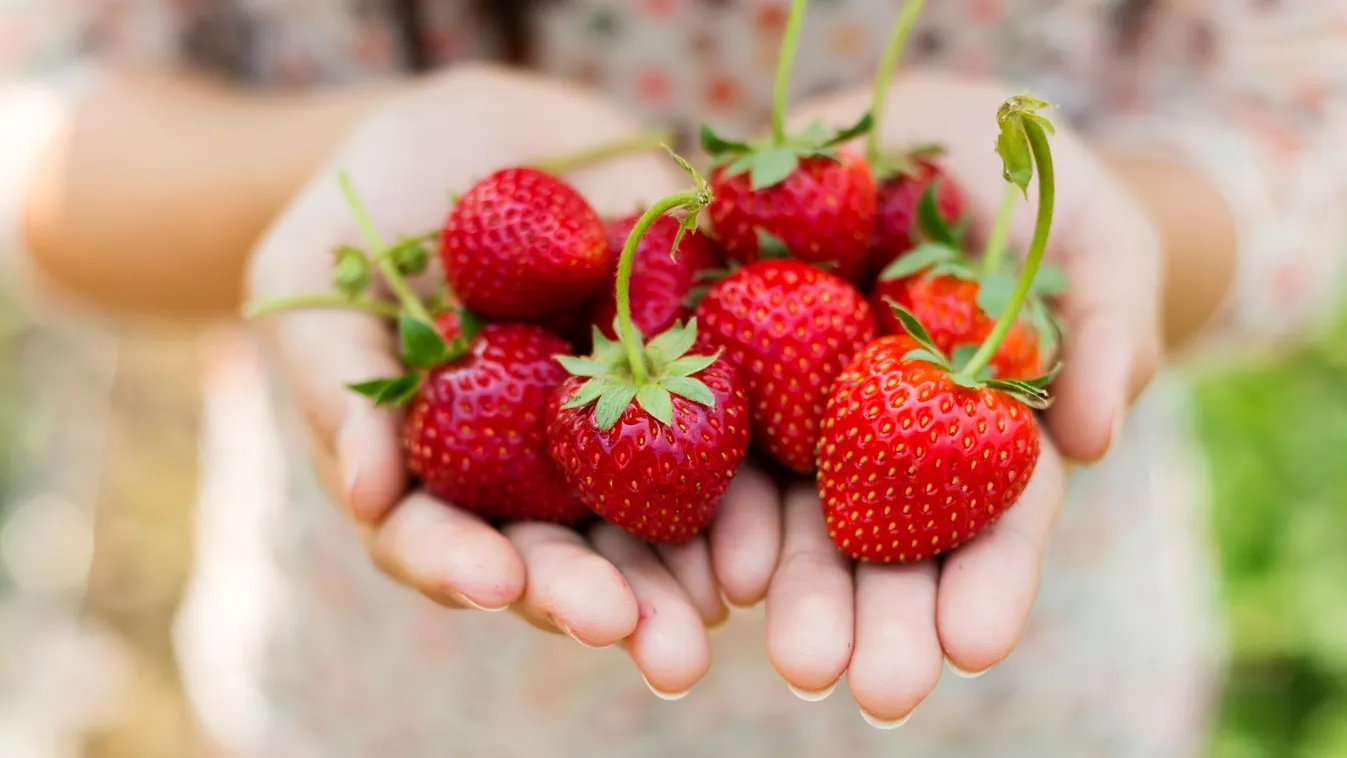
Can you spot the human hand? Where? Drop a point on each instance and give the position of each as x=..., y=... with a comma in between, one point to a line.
x=603, y=587
x=890, y=627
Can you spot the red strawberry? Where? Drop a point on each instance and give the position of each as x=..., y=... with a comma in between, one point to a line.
x=911, y=464
x=661, y=278
x=948, y=307
x=476, y=432
x=659, y=481
x=648, y=434
x=896, y=213
x=790, y=328
x=823, y=212
x=523, y=244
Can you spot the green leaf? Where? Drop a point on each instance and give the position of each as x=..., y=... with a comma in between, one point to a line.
x=409, y=256
x=861, y=127
x=469, y=325
x=994, y=293
x=929, y=221
x=581, y=366
x=1050, y=281
x=961, y=355
x=690, y=364
x=351, y=272
x=672, y=343
x=422, y=345
x=957, y=269
x=694, y=296
x=812, y=136
x=1043, y=380
x=915, y=330
x=588, y=393
x=657, y=402
x=922, y=354
x=692, y=389
x=1045, y=326
x=714, y=144
x=613, y=403
x=965, y=381
x=605, y=350
x=689, y=222
x=395, y=391
x=927, y=150
x=772, y=166
x=740, y=165
x=1013, y=141
x=770, y=246
x=919, y=259
x=1031, y=396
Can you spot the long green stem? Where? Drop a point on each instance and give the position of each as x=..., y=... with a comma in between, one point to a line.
x=995, y=250
x=789, y=43
x=396, y=282
x=888, y=63
x=561, y=164
x=626, y=332
x=1038, y=142
x=323, y=300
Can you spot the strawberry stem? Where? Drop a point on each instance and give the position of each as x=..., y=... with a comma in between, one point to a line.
x=1037, y=139
x=789, y=43
x=692, y=200
x=560, y=164
x=888, y=63
x=994, y=252
x=413, y=305
x=323, y=300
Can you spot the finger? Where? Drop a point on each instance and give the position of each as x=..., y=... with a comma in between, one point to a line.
x=690, y=565
x=897, y=659
x=669, y=645
x=746, y=537
x=448, y=554
x=571, y=588
x=810, y=606
x=987, y=588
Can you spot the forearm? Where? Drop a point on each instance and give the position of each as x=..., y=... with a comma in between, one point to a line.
x=152, y=195
x=1198, y=234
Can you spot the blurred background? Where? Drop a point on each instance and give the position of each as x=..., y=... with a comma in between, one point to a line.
x=103, y=434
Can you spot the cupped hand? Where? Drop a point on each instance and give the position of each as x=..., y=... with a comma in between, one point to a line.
x=891, y=628
x=601, y=588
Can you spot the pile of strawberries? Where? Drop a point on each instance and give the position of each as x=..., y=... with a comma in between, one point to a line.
x=814, y=303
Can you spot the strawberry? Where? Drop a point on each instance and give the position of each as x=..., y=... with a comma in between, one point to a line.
x=920, y=453
x=790, y=329
x=523, y=244
x=797, y=194
x=476, y=432
x=662, y=279
x=911, y=464
x=900, y=190
x=648, y=433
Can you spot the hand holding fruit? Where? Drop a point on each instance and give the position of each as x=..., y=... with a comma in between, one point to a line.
x=454, y=130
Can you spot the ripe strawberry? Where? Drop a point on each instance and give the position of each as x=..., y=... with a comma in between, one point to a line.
x=896, y=209
x=822, y=212
x=948, y=307
x=476, y=432
x=661, y=278
x=523, y=244
x=648, y=434
x=917, y=456
x=911, y=464
x=789, y=328
x=796, y=194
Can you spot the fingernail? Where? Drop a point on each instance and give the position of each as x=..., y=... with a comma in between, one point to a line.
x=880, y=723
x=665, y=695
x=464, y=599
x=963, y=674
x=812, y=696
x=733, y=605
x=1119, y=417
x=563, y=627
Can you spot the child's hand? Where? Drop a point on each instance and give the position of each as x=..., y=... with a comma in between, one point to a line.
x=889, y=628
x=602, y=588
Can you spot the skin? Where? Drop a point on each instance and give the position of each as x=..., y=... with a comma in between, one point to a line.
x=1148, y=246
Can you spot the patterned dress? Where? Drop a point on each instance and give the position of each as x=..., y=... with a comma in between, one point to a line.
x=293, y=646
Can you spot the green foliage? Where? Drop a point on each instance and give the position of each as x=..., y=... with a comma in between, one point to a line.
x=1277, y=439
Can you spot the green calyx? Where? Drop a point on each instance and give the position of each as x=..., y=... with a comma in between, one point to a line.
x=1023, y=147
x=629, y=369
x=771, y=159
x=1032, y=392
